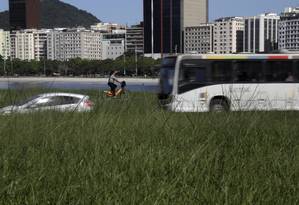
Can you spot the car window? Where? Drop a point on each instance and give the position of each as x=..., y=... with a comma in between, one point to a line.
x=63, y=100
x=32, y=99
x=42, y=102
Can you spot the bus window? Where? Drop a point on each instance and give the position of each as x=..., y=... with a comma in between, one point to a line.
x=221, y=71
x=279, y=71
x=248, y=71
x=192, y=75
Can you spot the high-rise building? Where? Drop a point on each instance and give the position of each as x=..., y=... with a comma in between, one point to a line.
x=29, y=44
x=134, y=39
x=228, y=35
x=199, y=39
x=22, y=45
x=113, y=46
x=165, y=20
x=289, y=29
x=68, y=44
x=40, y=43
x=4, y=44
x=261, y=33
x=24, y=14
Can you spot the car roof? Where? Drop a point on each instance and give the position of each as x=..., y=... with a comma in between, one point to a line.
x=62, y=94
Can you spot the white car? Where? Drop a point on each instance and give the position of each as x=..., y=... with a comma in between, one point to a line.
x=51, y=101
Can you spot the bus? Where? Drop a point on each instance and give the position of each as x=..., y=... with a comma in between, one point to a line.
x=235, y=82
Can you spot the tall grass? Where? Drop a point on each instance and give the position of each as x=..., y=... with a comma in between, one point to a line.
x=129, y=151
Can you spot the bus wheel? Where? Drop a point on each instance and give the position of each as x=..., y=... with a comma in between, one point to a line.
x=219, y=105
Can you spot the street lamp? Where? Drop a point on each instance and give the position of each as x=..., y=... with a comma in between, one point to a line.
x=125, y=64
x=136, y=68
x=44, y=67
x=4, y=69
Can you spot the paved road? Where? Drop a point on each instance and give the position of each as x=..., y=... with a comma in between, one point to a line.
x=63, y=79
x=133, y=84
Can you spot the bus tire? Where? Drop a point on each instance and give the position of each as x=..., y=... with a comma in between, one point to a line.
x=219, y=105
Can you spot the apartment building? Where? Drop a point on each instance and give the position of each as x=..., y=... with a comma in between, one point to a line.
x=134, y=39
x=40, y=43
x=29, y=44
x=22, y=44
x=113, y=46
x=228, y=35
x=289, y=29
x=199, y=39
x=4, y=44
x=108, y=28
x=261, y=33
x=67, y=44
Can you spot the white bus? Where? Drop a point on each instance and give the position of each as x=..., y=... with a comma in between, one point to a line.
x=236, y=82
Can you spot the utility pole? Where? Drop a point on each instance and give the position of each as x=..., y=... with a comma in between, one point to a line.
x=11, y=66
x=171, y=14
x=45, y=68
x=136, y=68
x=124, y=57
x=4, y=69
x=152, y=27
x=125, y=63
x=161, y=28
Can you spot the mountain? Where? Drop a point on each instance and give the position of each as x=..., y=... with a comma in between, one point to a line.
x=4, y=20
x=55, y=13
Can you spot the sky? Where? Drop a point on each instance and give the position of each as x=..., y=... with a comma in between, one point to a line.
x=130, y=11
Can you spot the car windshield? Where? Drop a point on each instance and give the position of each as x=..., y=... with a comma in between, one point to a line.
x=23, y=102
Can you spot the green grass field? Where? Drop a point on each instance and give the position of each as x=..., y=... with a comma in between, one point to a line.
x=132, y=152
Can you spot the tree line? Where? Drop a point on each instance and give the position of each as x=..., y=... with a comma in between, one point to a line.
x=128, y=66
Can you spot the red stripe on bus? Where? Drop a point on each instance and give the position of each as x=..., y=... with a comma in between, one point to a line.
x=278, y=57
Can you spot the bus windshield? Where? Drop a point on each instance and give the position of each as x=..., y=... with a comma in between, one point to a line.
x=167, y=75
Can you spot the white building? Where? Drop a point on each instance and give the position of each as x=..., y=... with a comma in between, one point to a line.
x=199, y=39
x=109, y=28
x=289, y=29
x=4, y=44
x=40, y=43
x=29, y=44
x=228, y=35
x=261, y=33
x=113, y=46
x=22, y=44
x=74, y=43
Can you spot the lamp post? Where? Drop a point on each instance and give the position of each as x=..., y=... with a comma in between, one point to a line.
x=44, y=67
x=4, y=69
x=125, y=64
x=161, y=28
x=136, y=67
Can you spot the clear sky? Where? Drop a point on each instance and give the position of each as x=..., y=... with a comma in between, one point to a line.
x=130, y=11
